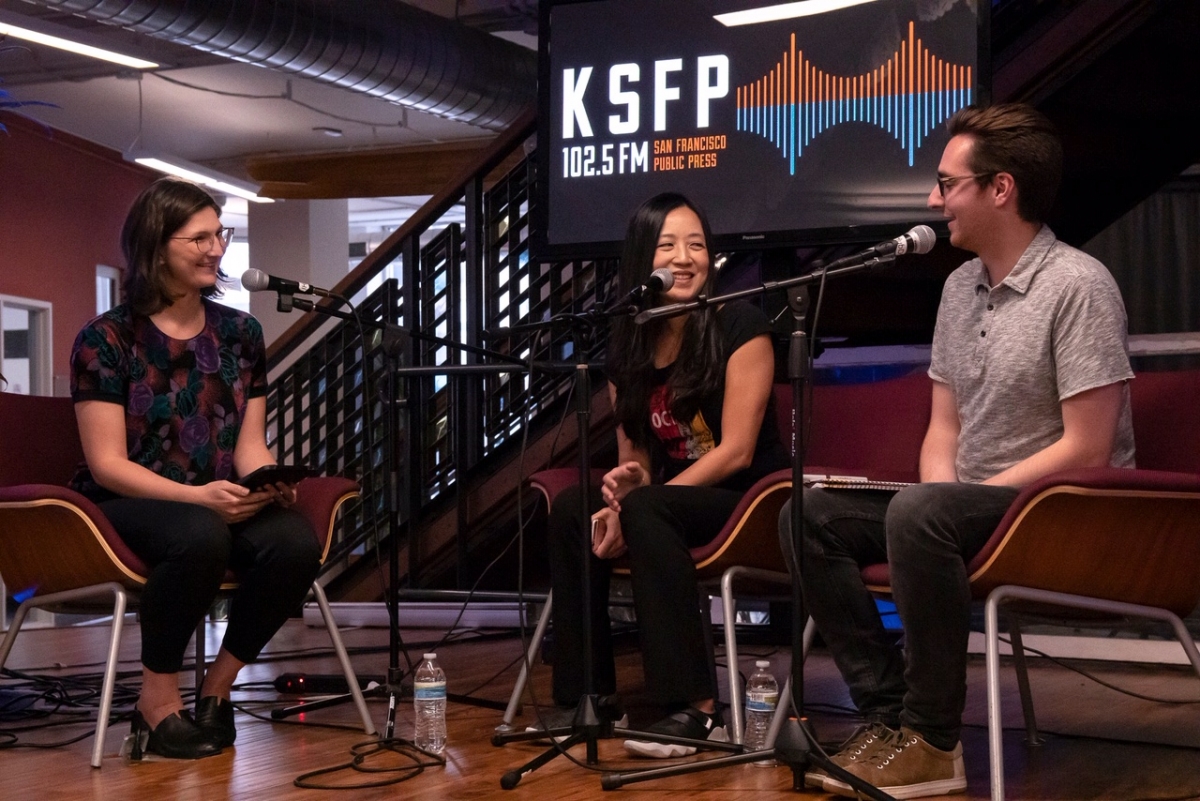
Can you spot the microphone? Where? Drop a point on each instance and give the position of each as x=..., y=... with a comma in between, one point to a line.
x=256, y=281
x=660, y=280
x=919, y=239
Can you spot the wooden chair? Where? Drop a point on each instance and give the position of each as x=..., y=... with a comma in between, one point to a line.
x=747, y=548
x=1094, y=543
x=58, y=551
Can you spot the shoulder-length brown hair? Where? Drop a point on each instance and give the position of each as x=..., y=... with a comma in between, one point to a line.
x=158, y=213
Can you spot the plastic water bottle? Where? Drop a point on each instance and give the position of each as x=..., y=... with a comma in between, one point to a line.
x=429, y=705
x=762, y=696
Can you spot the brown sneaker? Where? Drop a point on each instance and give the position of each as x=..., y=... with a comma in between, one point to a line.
x=903, y=765
x=857, y=748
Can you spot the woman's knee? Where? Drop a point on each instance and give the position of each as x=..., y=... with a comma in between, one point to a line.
x=200, y=536
x=652, y=502
x=564, y=513
x=290, y=537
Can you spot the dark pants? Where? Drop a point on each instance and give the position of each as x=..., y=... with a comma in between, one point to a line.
x=927, y=533
x=660, y=523
x=274, y=554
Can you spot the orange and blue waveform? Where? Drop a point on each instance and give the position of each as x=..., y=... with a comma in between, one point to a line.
x=908, y=96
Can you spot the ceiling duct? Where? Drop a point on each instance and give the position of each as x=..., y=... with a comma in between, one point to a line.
x=384, y=49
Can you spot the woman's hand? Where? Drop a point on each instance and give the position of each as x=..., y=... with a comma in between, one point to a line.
x=619, y=481
x=281, y=493
x=233, y=502
x=607, y=541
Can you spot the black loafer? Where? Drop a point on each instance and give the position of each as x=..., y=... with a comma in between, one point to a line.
x=214, y=717
x=175, y=737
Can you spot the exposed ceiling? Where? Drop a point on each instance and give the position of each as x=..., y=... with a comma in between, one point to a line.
x=236, y=117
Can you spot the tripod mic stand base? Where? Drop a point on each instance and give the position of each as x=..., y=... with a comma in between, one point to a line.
x=593, y=722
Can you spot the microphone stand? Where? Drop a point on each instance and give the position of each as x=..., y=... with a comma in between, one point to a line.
x=594, y=715
x=790, y=741
x=394, y=343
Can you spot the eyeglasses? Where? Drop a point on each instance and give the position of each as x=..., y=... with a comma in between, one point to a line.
x=206, y=241
x=948, y=182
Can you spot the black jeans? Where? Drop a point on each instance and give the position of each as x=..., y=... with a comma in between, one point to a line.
x=927, y=533
x=188, y=547
x=660, y=523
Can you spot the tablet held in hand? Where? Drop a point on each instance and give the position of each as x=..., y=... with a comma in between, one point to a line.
x=276, y=473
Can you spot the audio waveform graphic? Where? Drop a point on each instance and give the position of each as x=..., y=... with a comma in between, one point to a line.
x=907, y=96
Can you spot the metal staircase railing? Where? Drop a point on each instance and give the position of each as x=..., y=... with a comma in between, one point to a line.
x=455, y=282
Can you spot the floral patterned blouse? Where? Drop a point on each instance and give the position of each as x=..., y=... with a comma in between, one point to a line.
x=184, y=399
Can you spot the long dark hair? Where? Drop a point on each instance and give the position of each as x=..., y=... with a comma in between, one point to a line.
x=700, y=367
x=159, y=211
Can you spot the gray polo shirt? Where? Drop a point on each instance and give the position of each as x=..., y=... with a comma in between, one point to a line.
x=1054, y=327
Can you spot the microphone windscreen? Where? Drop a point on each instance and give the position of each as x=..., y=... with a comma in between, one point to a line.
x=923, y=238
x=255, y=280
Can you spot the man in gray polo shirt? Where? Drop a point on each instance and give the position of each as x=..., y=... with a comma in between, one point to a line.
x=1029, y=373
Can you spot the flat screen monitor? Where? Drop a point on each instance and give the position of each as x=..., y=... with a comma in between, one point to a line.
x=795, y=123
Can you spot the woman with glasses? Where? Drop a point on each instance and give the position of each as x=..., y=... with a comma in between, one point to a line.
x=170, y=395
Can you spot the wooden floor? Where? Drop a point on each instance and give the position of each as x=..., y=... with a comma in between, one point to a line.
x=1100, y=743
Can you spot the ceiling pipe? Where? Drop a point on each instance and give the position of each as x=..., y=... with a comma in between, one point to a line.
x=388, y=50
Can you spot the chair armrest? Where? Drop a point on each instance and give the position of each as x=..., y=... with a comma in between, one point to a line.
x=1098, y=479
x=553, y=481
x=750, y=537
x=319, y=500
x=50, y=534
x=1118, y=534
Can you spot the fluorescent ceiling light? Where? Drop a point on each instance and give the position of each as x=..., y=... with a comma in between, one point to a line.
x=779, y=11
x=201, y=175
x=74, y=47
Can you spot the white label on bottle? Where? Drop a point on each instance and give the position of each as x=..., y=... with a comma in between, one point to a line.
x=761, y=702
x=429, y=690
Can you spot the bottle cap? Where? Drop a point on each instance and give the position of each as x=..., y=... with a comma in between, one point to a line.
x=762, y=663
x=430, y=656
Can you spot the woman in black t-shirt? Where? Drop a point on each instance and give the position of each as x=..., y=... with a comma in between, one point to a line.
x=691, y=395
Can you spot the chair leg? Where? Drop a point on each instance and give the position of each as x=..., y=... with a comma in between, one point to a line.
x=110, y=674
x=729, y=623
x=1181, y=633
x=782, y=710
x=114, y=645
x=1019, y=663
x=18, y=619
x=535, y=644
x=340, y=648
x=201, y=653
x=710, y=644
x=992, y=655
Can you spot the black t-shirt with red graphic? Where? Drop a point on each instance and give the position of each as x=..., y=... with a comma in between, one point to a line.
x=677, y=444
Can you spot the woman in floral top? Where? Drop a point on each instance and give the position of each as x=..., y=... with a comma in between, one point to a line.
x=170, y=395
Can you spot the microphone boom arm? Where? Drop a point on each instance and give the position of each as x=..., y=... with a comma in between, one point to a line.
x=840, y=267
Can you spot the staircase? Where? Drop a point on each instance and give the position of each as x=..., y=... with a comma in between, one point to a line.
x=1117, y=76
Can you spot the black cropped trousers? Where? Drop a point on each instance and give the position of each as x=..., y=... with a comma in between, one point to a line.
x=659, y=523
x=188, y=547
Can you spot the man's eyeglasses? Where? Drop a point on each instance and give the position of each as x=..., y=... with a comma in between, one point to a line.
x=948, y=182
x=207, y=241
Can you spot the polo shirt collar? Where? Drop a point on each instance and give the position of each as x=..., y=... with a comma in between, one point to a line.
x=1031, y=261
